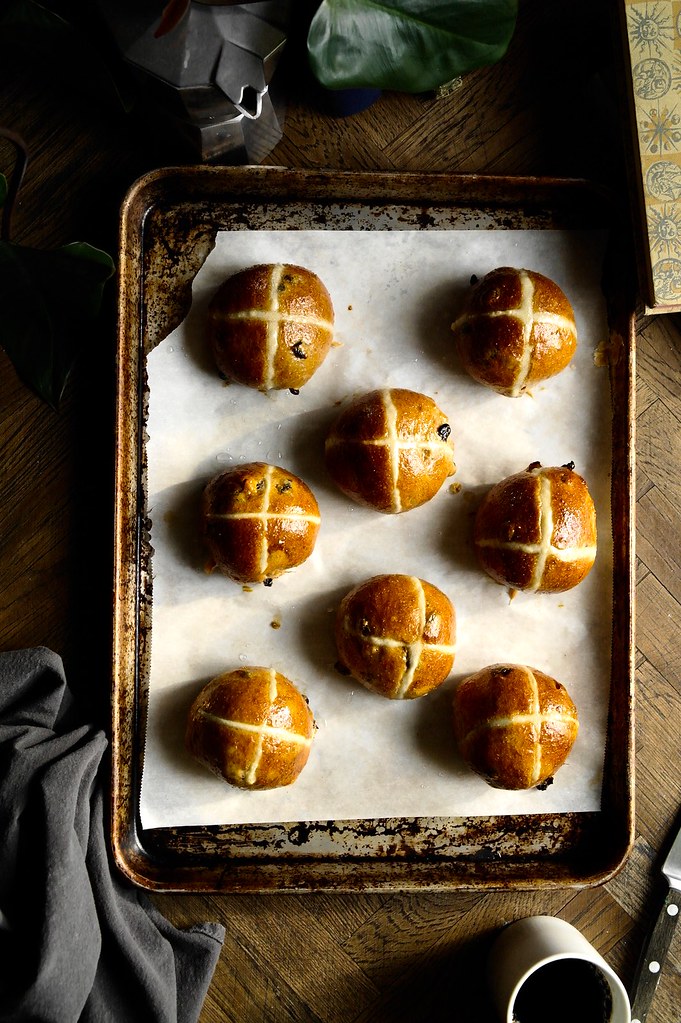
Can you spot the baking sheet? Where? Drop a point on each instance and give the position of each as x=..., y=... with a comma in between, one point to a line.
x=395, y=294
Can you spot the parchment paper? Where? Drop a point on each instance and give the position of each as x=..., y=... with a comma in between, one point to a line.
x=395, y=294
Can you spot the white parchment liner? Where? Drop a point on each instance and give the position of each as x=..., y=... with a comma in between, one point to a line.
x=395, y=294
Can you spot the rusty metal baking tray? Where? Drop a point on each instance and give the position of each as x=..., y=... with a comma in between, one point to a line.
x=168, y=225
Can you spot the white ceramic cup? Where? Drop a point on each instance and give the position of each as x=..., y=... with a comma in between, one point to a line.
x=576, y=978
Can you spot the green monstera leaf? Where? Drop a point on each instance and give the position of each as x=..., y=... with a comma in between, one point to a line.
x=48, y=301
x=406, y=45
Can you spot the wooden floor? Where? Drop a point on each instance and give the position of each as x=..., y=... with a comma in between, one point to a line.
x=373, y=958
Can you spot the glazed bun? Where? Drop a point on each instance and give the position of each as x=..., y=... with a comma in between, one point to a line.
x=395, y=634
x=271, y=326
x=390, y=450
x=514, y=725
x=517, y=327
x=257, y=521
x=252, y=727
x=536, y=530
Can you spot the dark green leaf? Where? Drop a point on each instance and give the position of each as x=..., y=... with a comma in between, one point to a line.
x=71, y=278
x=406, y=45
x=25, y=328
x=46, y=299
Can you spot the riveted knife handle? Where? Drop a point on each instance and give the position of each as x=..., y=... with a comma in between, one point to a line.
x=653, y=956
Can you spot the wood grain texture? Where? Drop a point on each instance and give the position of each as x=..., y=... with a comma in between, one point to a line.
x=547, y=110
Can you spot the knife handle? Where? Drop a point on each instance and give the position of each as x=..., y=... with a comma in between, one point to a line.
x=653, y=955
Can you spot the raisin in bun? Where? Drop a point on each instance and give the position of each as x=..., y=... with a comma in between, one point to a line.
x=252, y=727
x=390, y=450
x=514, y=725
x=271, y=326
x=257, y=521
x=517, y=327
x=395, y=634
x=536, y=530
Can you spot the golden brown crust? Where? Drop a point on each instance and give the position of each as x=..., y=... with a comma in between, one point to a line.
x=390, y=449
x=395, y=634
x=536, y=530
x=270, y=326
x=252, y=727
x=514, y=725
x=517, y=327
x=257, y=521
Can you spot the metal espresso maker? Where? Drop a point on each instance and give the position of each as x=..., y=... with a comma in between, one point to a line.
x=207, y=79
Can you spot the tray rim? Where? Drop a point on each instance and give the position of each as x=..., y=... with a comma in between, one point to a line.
x=147, y=858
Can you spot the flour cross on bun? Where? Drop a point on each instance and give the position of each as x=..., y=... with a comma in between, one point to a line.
x=536, y=530
x=517, y=328
x=271, y=326
x=252, y=727
x=396, y=635
x=390, y=449
x=258, y=521
x=514, y=725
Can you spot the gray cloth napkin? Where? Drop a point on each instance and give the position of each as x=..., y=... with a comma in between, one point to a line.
x=77, y=941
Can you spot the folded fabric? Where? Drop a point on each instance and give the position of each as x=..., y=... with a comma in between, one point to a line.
x=77, y=941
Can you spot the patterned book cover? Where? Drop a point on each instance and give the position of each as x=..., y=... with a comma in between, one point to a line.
x=653, y=40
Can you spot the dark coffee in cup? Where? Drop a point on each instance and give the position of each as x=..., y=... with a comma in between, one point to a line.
x=564, y=991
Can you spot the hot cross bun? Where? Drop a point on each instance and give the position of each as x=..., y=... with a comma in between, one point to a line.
x=271, y=326
x=517, y=328
x=536, y=530
x=514, y=725
x=395, y=634
x=257, y=521
x=252, y=727
x=390, y=449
